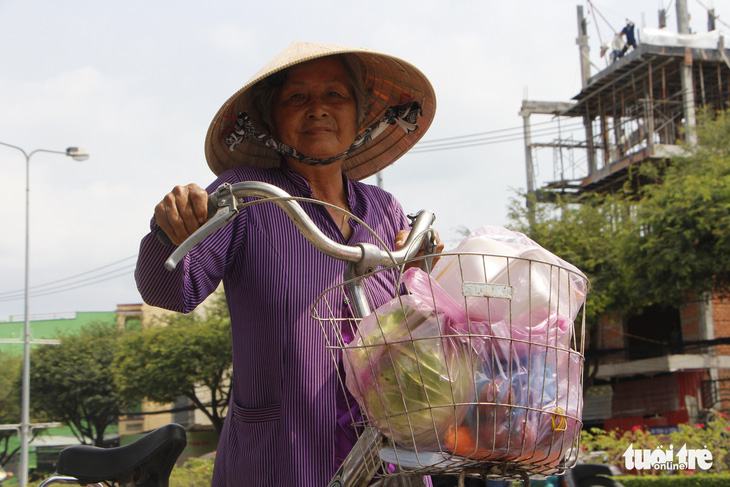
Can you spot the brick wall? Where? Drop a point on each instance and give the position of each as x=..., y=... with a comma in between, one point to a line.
x=611, y=335
x=721, y=317
x=690, y=316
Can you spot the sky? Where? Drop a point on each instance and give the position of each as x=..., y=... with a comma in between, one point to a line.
x=136, y=84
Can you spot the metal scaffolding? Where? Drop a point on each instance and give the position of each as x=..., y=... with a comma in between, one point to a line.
x=638, y=109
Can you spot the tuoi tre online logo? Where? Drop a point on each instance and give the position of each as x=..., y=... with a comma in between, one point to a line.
x=661, y=459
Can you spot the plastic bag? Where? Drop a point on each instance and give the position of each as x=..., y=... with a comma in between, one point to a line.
x=528, y=389
x=518, y=338
x=543, y=283
x=429, y=292
x=410, y=379
x=527, y=406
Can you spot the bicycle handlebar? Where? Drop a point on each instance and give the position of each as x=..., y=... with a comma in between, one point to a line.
x=225, y=204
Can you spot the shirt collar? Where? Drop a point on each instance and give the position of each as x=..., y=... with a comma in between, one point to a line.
x=297, y=180
x=301, y=184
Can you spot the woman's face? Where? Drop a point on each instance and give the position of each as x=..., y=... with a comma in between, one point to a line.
x=314, y=110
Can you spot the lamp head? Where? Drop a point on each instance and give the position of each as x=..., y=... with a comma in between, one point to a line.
x=77, y=153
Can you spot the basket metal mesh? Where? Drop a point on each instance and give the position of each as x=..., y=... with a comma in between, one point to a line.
x=477, y=367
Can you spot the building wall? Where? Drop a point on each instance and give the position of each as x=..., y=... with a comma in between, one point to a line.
x=654, y=399
x=721, y=318
x=612, y=335
x=691, y=326
x=50, y=326
x=645, y=396
x=660, y=401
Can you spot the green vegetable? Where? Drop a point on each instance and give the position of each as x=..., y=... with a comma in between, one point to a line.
x=413, y=388
x=387, y=328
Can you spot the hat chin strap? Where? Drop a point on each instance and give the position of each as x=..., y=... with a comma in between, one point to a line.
x=404, y=115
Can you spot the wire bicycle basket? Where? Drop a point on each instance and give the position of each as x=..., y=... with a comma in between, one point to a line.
x=476, y=367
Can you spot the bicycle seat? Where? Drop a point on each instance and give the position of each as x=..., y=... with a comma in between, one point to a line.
x=145, y=462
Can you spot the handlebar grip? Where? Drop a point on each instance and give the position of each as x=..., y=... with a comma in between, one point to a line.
x=164, y=239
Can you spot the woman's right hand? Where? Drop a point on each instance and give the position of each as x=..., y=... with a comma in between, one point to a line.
x=182, y=211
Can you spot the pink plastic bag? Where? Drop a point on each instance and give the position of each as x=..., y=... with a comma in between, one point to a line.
x=430, y=292
x=412, y=381
x=527, y=407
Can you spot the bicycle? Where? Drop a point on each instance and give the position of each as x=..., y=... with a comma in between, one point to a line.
x=376, y=455
x=146, y=462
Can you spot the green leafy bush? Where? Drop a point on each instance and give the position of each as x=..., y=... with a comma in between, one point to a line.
x=195, y=472
x=713, y=436
x=696, y=480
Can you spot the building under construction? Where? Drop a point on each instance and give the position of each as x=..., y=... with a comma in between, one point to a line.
x=632, y=111
x=666, y=366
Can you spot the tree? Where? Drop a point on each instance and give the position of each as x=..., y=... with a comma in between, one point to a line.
x=713, y=435
x=162, y=363
x=73, y=383
x=589, y=235
x=655, y=244
x=10, y=365
x=683, y=245
x=661, y=238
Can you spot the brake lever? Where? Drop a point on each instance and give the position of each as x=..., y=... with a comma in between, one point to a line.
x=429, y=249
x=429, y=242
x=227, y=209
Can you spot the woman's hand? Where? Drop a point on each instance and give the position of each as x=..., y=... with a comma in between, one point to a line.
x=400, y=240
x=182, y=211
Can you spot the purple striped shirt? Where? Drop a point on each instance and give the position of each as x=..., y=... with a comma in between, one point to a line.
x=283, y=427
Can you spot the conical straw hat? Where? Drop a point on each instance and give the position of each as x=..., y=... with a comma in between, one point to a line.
x=389, y=80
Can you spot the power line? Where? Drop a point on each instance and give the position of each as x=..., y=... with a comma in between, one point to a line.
x=45, y=284
x=416, y=150
x=510, y=134
x=488, y=135
x=594, y=10
x=480, y=134
x=669, y=6
x=73, y=282
x=438, y=145
x=70, y=287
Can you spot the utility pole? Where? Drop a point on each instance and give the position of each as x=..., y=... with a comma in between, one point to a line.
x=555, y=108
x=688, y=92
x=528, y=151
x=585, y=71
x=707, y=324
x=582, y=41
x=25, y=426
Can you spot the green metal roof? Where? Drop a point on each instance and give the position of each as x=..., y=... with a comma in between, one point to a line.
x=51, y=326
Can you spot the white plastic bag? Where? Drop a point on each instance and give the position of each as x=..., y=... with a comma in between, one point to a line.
x=542, y=283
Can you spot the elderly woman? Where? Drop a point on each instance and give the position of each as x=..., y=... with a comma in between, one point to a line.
x=314, y=121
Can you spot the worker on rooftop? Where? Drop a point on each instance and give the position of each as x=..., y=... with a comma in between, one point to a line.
x=628, y=31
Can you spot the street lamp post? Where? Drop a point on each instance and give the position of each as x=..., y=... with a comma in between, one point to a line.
x=78, y=155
